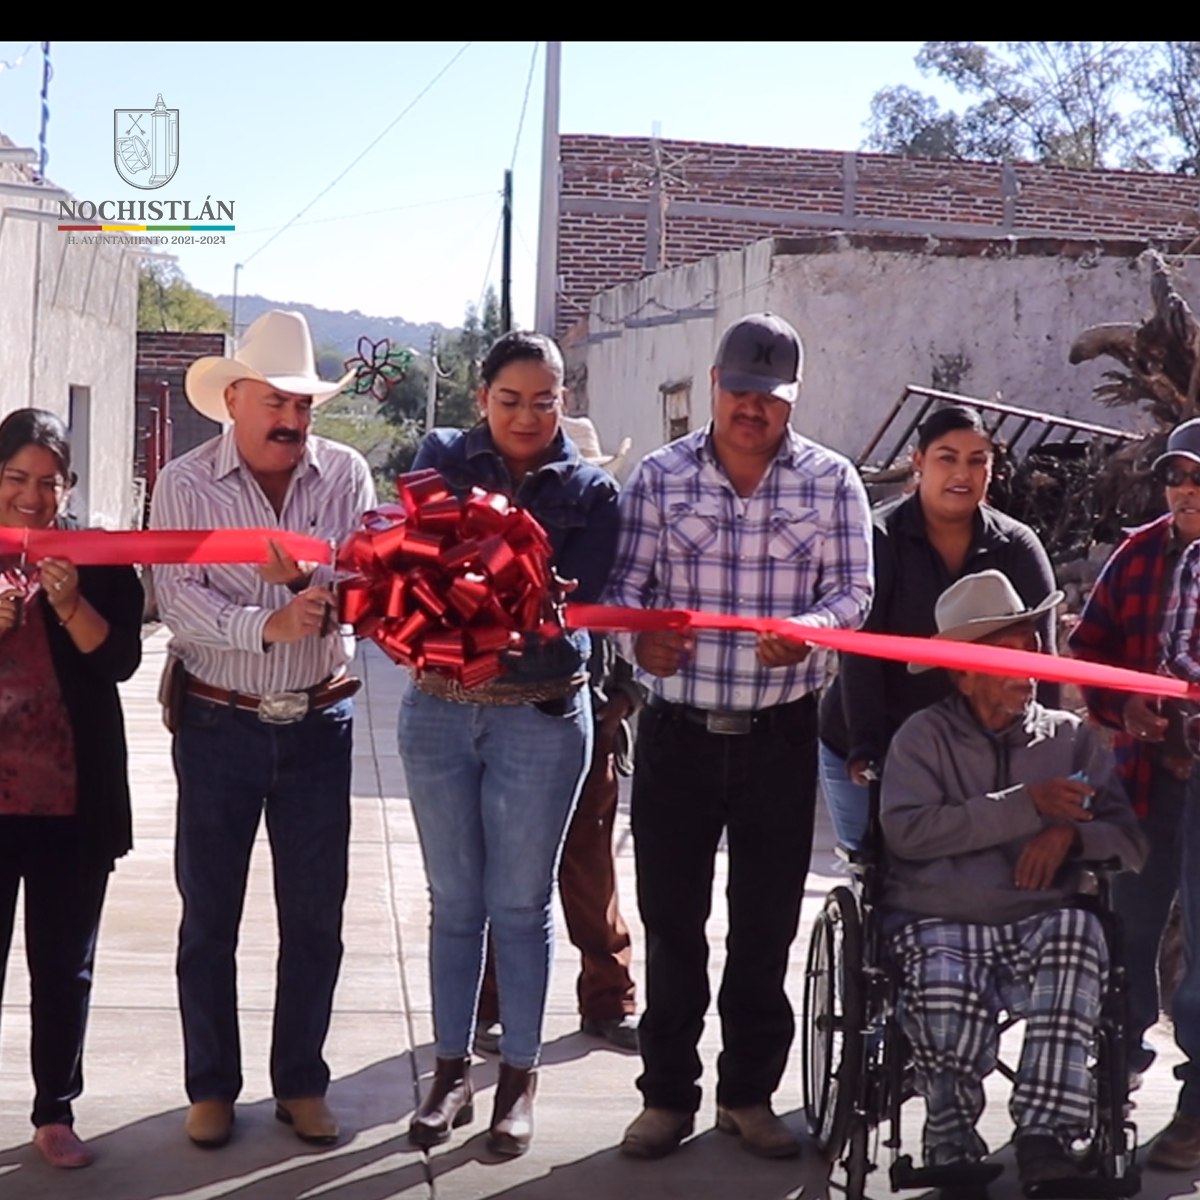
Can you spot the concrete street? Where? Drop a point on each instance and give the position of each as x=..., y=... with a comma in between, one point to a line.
x=380, y=1046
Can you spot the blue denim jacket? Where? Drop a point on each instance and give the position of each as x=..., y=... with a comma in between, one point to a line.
x=574, y=501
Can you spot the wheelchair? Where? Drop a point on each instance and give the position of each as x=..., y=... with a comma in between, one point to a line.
x=856, y=1069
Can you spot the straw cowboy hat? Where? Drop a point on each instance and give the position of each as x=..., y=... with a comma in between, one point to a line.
x=584, y=434
x=978, y=605
x=275, y=349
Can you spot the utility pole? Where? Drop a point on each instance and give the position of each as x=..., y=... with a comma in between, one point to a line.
x=237, y=267
x=652, y=258
x=506, y=259
x=547, y=269
x=431, y=394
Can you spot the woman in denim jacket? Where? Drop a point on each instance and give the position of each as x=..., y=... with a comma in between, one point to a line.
x=494, y=773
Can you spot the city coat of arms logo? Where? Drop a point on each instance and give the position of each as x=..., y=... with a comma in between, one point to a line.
x=146, y=144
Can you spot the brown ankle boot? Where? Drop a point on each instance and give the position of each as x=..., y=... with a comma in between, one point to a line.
x=512, y=1116
x=447, y=1106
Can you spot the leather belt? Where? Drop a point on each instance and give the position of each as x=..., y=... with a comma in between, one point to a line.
x=280, y=708
x=731, y=721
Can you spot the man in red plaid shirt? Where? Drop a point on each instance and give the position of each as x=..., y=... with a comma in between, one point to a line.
x=1122, y=625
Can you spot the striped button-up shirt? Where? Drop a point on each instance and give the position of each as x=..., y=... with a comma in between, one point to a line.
x=799, y=547
x=218, y=613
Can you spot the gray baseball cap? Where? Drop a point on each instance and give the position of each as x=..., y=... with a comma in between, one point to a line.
x=761, y=353
x=1184, y=442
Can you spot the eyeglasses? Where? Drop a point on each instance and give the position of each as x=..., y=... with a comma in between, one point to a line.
x=1173, y=475
x=541, y=407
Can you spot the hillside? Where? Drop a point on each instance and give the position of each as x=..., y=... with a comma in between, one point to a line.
x=336, y=330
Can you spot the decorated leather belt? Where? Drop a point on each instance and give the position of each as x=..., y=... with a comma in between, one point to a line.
x=729, y=721
x=547, y=694
x=280, y=708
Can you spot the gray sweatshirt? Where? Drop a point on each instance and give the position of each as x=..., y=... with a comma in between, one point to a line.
x=956, y=812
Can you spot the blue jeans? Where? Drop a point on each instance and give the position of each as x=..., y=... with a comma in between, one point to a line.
x=1185, y=1011
x=847, y=802
x=492, y=790
x=230, y=767
x=1142, y=901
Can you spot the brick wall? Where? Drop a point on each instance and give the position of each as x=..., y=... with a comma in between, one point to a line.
x=165, y=357
x=607, y=196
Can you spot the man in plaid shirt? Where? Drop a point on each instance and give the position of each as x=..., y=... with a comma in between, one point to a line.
x=746, y=517
x=1122, y=624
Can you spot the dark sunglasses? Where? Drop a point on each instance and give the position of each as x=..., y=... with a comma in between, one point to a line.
x=1174, y=475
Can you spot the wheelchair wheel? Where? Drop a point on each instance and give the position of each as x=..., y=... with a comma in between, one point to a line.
x=834, y=1015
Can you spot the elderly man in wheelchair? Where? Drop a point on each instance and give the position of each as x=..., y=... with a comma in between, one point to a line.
x=989, y=801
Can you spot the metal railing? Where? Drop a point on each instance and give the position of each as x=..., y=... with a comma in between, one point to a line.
x=1027, y=420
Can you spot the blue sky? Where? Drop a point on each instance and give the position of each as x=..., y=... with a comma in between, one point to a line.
x=409, y=230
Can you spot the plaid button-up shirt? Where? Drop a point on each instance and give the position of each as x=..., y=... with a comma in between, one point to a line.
x=1181, y=623
x=1121, y=625
x=798, y=547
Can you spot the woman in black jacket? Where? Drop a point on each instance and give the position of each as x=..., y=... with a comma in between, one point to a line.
x=940, y=533
x=68, y=636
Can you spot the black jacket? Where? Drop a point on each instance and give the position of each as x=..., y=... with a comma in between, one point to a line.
x=871, y=698
x=88, y=683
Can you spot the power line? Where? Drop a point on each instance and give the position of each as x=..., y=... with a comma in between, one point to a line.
x=524, y=106
x=376, y=212
x=339, y=177
x=524, y=243
x=491, y=257
x=516, y=146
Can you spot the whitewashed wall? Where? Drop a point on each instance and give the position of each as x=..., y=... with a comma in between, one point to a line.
x=872, y=321
x=68, y=317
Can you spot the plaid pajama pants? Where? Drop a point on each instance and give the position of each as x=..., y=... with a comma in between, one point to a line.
x=957, y=977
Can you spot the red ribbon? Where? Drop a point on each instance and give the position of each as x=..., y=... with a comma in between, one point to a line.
x=959, y=656
x=445, y=584
x=424, y=571
x=96, y=547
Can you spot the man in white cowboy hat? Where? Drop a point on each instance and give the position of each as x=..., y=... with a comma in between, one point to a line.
x=263, y=720
x=987, y=798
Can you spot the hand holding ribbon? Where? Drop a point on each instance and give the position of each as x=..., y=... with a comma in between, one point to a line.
x=958, y=656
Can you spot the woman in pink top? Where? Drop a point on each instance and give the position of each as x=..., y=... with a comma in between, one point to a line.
x=67, y=636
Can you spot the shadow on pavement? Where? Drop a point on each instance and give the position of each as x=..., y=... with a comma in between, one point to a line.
x=264, y=1160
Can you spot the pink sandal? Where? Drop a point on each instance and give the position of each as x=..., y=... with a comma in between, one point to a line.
x=60, y=1147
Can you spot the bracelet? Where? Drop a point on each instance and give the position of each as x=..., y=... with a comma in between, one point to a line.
x=65, y=621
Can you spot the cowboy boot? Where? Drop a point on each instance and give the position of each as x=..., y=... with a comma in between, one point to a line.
x=512, y=1117
x=447, y=1106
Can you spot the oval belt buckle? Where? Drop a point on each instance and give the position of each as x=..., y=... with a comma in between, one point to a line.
x=283, y=708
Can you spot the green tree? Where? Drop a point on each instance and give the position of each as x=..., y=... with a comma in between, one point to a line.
x=331, y=363
x=458, y=361
x=1071, y=104
x=1171, y=89
x=168, y=303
